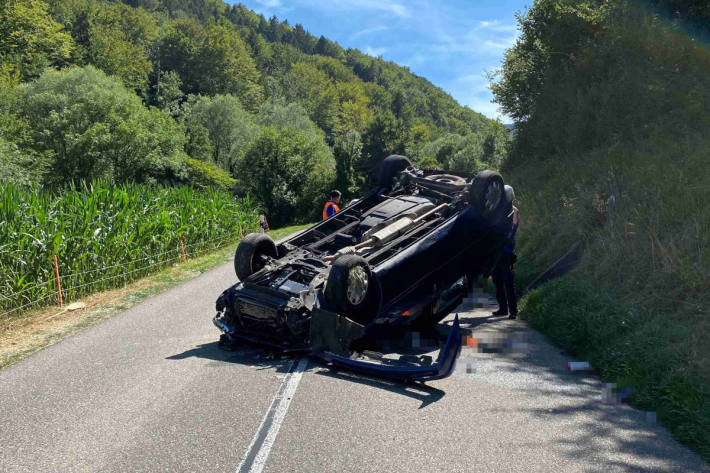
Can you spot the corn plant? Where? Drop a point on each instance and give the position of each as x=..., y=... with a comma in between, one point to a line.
x=105, y=235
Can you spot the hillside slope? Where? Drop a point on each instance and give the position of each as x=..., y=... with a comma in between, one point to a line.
x=216, y=84
x=611, y=148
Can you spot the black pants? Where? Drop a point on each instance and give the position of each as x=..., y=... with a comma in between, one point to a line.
x=504, y=279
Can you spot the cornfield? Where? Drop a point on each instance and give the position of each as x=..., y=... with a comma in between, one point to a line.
x=105, y=235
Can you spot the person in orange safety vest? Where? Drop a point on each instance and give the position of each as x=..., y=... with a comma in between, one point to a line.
x=331, y=207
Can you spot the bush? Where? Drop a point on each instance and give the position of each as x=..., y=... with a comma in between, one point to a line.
x=290, y=173
x=611, y=150
x=204, y=175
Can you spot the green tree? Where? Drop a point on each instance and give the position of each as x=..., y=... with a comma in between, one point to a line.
x=468, y=158
x=384, y=135
x=30, y=40
x=443, y=148
x=289, y=173
x=95, y=128
x=354, y=112
x=312, y=88
x=347, y=151
x=22, y=163
x=109, y=51
x=203, y=174
x=230, y=128
x=14, y=164
x=210, y=60
x=293, y=115
x=326, y=47
x=113, y=37
x=166, y=93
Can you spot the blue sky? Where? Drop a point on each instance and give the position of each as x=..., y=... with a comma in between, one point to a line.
x=452, y=43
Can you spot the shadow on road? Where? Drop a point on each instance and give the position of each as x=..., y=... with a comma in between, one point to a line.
x=591, y=426
x=264, y=359
x=255, y=357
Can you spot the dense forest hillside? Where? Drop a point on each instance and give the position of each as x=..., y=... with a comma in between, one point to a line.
x=611, y=148
x=204, y=93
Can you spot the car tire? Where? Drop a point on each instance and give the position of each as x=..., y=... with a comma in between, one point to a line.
x=390, y=167
x=487, y=196
x=348, y=299
x=247, y=258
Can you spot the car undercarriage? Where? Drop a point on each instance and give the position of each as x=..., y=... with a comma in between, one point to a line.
x=393, y=263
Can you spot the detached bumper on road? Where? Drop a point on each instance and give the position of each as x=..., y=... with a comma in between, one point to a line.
x=397, y=370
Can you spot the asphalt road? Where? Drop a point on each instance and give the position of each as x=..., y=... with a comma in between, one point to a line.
x=149, y=390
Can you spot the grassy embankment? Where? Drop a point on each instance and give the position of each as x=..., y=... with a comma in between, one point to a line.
x=617, y=157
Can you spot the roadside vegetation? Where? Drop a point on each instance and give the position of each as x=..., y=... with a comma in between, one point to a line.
x=106, y=235
x=24, y=333
x=611, y=148
x=126, y=124
x=211, y=95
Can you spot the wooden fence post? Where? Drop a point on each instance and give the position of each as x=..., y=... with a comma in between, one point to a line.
x=59, y=283
x=182, y=247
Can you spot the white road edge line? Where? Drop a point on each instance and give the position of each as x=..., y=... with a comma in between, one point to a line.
x=260, y=446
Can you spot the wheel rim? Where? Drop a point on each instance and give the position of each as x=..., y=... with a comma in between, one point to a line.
x=492, y=197
x=358, y=283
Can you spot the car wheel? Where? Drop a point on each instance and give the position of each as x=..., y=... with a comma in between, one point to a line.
x=447, y=179
x=350, y=288
x=390, y=167
x=487, y=195
x=251, y=254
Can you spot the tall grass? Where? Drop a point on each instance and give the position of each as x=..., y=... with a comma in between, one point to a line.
x=105, y=235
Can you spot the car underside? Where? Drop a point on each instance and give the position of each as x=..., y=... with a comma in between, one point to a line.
x=392, y=263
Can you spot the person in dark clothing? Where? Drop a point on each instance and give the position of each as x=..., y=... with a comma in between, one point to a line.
x=503, y=274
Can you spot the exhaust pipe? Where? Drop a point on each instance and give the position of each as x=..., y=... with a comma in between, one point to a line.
x=386, y=234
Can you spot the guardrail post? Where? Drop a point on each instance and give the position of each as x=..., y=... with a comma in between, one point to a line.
x=59, y=283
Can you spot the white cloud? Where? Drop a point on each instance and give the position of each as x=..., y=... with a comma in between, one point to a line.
x=270, y=3
x=375, y=52
x=389, y=6
x=474, y=43
x=486, y=107
x=369, y=31
x=499, y=45
x=473, y=91
x=495, y=25
x=477, y=80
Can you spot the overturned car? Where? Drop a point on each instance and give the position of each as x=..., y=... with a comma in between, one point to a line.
x=391, y=262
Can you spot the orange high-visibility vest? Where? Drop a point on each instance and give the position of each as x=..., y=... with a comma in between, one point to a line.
x=328, y=204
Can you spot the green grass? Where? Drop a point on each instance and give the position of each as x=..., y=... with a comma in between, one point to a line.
x=646, y=254
x=106, y=235
x=286, y=231
x=630, y=347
